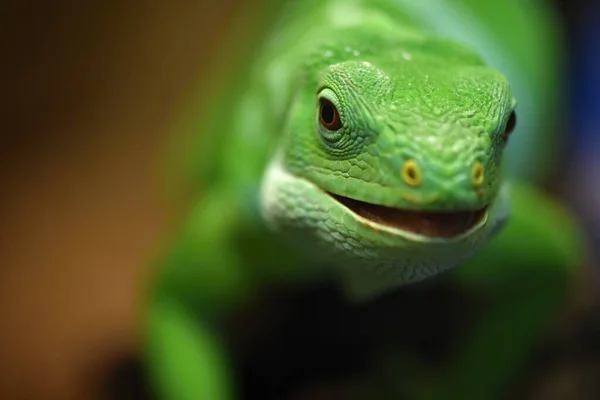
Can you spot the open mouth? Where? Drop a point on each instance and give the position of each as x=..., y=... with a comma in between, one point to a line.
x=434, y=224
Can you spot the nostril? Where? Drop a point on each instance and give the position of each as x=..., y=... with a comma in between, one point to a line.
x=411, y=173
x=478, y=174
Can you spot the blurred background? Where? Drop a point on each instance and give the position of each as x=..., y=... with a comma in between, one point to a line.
x=91, y=91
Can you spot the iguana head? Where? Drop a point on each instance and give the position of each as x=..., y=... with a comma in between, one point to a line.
x=390, y=162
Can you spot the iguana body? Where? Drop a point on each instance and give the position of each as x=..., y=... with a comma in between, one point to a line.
x=361, y=145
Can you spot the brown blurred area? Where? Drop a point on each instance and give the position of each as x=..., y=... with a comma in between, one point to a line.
x=90, y=93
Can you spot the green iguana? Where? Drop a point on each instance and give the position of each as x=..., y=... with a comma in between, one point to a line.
x=375, y=142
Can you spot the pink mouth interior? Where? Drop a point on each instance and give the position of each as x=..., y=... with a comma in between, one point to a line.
x=435, y=224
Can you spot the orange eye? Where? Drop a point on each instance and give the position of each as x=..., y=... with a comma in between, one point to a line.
x=329, y=116
x=510, y=126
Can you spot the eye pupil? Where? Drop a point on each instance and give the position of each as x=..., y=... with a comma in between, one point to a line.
x=327, y=113
x=510, y=125
x=329, y=116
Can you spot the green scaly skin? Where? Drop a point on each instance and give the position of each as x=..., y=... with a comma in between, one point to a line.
x=408, y=100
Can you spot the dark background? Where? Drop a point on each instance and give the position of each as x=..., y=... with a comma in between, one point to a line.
x=89, y=94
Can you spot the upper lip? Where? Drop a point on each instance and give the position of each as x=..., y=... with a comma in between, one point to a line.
x=434, y=224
